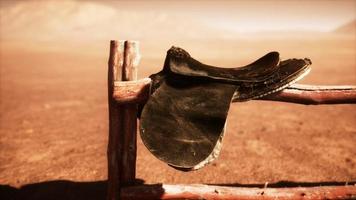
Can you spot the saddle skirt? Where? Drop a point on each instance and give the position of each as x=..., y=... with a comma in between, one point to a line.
x=184, y=119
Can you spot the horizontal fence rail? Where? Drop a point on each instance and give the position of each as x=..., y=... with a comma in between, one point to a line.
x=209, y=192
x=139, y=91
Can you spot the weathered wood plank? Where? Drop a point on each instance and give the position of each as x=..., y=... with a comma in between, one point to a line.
x=114, y=150
x=129, y=92
x=210, y=192
x=129, y=115
x=123, y=60
x=312, y=94
x=138, y=91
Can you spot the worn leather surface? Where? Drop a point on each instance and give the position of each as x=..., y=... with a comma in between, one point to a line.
x=181, y=62
x=184, y=118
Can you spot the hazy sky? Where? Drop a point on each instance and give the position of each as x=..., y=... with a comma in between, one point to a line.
x=253, y=15
x=90, y=20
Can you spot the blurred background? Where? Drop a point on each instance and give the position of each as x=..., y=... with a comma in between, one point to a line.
x=53, y=95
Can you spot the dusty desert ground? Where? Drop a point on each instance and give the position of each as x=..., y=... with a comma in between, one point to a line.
x=54, y=118
x=54, y=121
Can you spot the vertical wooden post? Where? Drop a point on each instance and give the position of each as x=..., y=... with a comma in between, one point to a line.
x=114, y=151
x=129, y=115
x=121, y=153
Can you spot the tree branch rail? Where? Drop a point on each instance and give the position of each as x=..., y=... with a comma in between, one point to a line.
x=138, y=92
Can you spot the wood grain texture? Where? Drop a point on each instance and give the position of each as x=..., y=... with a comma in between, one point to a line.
x=129, y=92
x=315, y=95
x=129, y=116
x=114, y=150
x=138, y=92
x=122, y=66
x=210, y=192
x=131, y=59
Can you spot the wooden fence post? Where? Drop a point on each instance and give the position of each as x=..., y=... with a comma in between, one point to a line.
x=129, y=116
x=121, y=152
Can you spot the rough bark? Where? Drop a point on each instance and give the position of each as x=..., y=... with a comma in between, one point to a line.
x=121, y=153
x=126, y=92
x=210, y=192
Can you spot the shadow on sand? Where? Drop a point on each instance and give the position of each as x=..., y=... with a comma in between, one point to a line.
x=56, y=190
x=70, y=190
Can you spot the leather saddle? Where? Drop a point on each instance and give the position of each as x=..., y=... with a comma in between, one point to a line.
x=184, y=119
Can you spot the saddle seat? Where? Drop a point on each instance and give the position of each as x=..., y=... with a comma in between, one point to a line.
x=180, y=62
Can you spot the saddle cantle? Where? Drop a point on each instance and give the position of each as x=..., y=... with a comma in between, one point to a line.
x=184, y=119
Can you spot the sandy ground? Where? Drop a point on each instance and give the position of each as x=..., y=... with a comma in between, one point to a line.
x=54, y=122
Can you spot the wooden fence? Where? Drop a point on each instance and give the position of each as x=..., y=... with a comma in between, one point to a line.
x=125, y=93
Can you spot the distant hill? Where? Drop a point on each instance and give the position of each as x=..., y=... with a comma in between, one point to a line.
x=348, y=28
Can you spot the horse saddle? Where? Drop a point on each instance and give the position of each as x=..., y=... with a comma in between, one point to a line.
x=184, y=119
